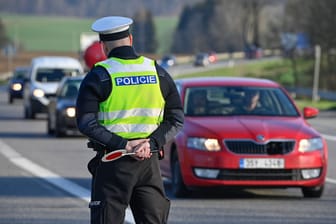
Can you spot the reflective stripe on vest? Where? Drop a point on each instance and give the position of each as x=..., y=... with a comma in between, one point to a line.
x=135, y=106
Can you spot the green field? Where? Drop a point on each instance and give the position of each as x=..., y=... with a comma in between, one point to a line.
x=62, y=34
x=277, y=70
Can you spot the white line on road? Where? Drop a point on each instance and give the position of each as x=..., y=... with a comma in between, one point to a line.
x=329, y=137
x=332, y=181
x=51, y=177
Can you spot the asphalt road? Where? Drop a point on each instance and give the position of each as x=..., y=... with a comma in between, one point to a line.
x=44, y=180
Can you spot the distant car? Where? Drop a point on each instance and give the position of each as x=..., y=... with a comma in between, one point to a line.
x=253, y=52
x=16, y=83
x=202, y=59
x=46, y=73
x=61, y=119
x=222, y=146
x=168, y=61
x=212, y=57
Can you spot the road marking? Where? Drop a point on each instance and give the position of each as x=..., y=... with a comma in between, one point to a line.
x=331, y=181
x=329, y=137
x=51, y=177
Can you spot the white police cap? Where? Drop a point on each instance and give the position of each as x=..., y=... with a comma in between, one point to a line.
x=112, y=27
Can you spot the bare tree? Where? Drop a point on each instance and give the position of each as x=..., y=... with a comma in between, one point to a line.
x=250, y=21
x=3, y=38
x=144, y=32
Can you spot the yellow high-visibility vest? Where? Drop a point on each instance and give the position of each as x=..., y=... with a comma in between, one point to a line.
x=135, y=106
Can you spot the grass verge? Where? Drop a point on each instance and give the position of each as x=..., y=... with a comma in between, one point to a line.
x=277, y=70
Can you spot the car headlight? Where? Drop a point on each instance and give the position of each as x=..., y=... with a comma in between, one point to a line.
x=206, y=144
x=16, y=86
x=38, y=93
x=70, y=112
x=308, y=145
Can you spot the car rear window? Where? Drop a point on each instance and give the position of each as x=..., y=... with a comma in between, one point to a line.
x=54, y=75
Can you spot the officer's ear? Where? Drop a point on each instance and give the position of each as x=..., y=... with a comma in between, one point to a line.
x=131, y=39
x=105, y=48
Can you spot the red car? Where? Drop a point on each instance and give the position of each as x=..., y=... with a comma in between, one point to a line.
x=226, y=143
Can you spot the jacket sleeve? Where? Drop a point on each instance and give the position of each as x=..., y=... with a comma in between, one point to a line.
x=173, y=118
x=94, y=89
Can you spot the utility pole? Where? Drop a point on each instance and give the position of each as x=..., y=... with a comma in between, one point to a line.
x=315, y=96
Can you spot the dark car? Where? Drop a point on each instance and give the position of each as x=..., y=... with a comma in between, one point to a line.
x=253, y=52
x=16, y=83
x=168, y=61
x=244, y=132
x=202, y=59
x=61, y=109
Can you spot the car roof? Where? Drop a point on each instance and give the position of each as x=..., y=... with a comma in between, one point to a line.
x=56, y=61
x=227, y=81
x=22, y=68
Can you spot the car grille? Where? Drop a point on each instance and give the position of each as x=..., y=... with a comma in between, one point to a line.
x=260, y=174
x=50, y=95
x=252, y=147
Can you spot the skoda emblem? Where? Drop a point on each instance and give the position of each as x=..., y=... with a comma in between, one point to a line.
x=260, y=138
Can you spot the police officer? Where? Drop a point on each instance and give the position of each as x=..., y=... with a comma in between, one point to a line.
x=127, y=102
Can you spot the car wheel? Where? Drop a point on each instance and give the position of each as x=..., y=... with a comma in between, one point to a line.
x=49, y=129
x=312, y=192
x=25, y=113
x=58, y=131
x=29, y=114
x=178, y=187
x=10, y=99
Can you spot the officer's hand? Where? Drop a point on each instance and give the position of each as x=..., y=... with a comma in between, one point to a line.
x=141, y=147
x=142, y=151
x=132, y=144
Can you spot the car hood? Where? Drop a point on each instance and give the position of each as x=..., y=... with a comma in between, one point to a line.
x=48, y=88
x=66, y=102
x=244, y=127
x=17, y=81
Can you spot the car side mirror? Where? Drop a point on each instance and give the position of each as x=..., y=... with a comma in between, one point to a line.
x=310, y=112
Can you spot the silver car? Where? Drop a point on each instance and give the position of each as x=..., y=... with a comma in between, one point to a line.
x=46, y=73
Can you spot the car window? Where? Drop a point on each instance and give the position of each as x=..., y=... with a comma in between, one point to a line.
x=20, y=74
x=70, y=89
x=54, y=75
x=237, y=100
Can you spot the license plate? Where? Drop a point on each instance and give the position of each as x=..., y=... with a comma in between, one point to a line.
x=266, y=163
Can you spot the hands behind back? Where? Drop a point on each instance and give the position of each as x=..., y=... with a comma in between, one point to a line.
x=141, y=147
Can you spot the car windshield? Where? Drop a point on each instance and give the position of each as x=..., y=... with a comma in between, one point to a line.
x=54, y=75
x=20, y=74
x=237, y=100
x=70, y=89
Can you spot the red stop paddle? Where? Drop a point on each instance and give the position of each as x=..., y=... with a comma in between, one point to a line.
x=116, y=154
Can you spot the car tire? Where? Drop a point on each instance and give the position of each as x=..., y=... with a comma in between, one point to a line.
x=178, y=187
x=312, y=192
x=10, y=99
x=49, y=129
x=58, y=131
x=29, y=113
